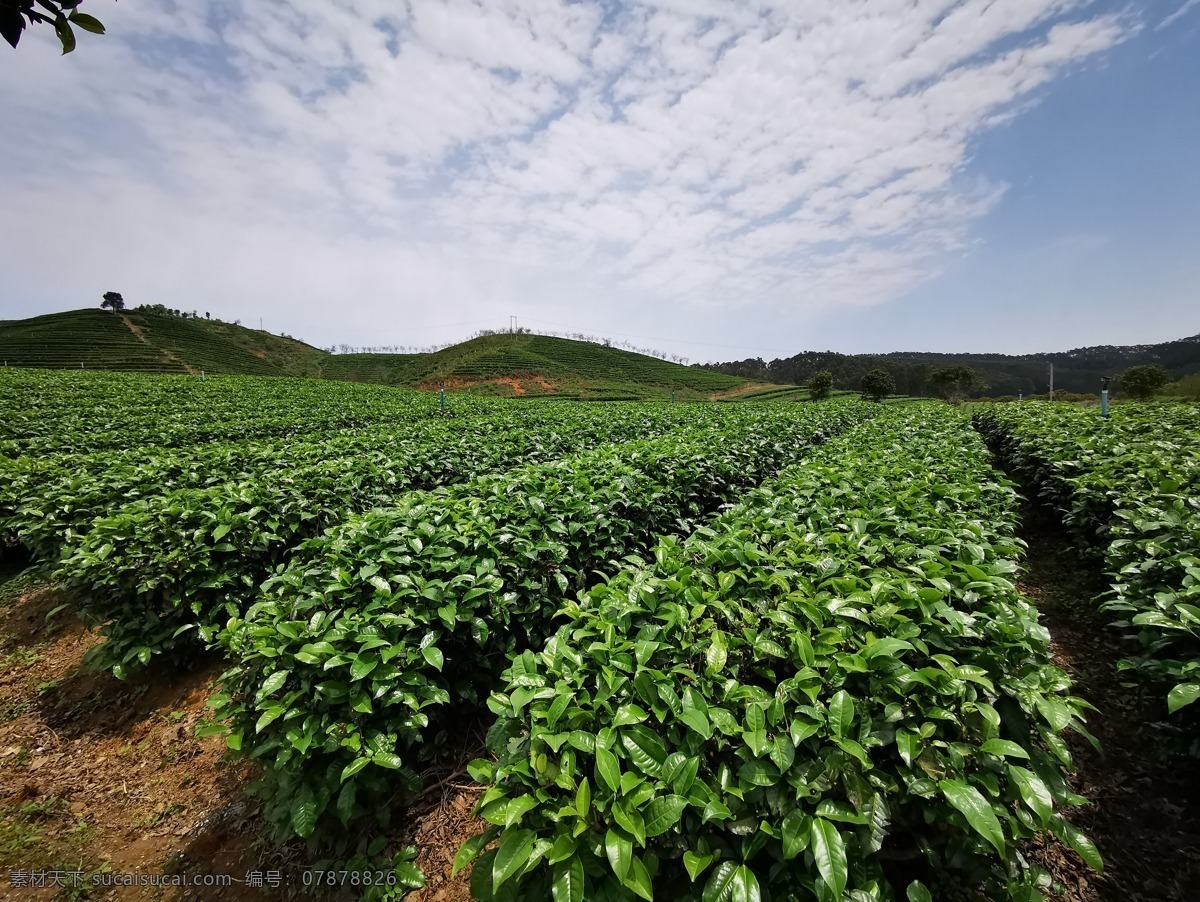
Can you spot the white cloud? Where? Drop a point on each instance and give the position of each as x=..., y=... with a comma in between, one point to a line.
x=1177, y=15
x=434, y=161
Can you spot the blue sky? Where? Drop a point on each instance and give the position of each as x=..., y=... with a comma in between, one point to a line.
x=716, y=180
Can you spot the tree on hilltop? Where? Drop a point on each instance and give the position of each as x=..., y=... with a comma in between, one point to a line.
x=877, y=385
x=112, y=301
x=1143, y=382
x=820, y=386
x=953, y=383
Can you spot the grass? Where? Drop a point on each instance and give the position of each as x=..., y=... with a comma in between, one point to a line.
x=43, y=835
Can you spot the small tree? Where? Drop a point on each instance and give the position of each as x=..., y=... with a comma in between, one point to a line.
x=112, y=301
x=17, y=15
x=878, y=384
x=953, y=383
x=820, y=385
x=1144, y=382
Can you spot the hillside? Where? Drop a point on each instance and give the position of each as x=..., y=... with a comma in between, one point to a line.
x=526, y=364
x=503, y=364
x=145, y=342
x=1079, y=370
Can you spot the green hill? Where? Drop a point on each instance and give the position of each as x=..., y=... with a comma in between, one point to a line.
x=144, y=342
x=502, y=364
x=526, y=364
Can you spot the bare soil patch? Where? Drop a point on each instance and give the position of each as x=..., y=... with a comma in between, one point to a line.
x=105, y=777
x=99, y=776
x=745, y=389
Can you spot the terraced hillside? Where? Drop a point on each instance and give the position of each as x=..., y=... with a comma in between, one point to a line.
x=544, y=365
x=144, y=342
x=503, y=365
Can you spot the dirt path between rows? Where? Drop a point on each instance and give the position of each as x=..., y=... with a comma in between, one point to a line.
x=1145, y=804
x=167, y=356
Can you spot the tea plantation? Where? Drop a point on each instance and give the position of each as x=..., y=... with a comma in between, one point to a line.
x=720, y=652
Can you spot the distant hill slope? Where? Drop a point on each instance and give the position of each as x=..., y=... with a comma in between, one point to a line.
x=151, y=343
x=502, y=364
x=560, y=367
x=1080, y=370
x=524, y=364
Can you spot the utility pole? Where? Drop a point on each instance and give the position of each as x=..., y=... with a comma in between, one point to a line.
x=512, y=325
x=1052, y=382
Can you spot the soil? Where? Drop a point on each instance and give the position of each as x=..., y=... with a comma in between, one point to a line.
x=106, y=778
x=517, y=384
x=744, y=389
x=1144, y=811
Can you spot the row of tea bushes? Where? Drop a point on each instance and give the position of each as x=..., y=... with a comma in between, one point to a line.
x=832, y=691
x=1129, y=486
x=363, y=648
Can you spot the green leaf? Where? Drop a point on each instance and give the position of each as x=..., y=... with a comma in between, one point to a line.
x=1033, y=791
x=273, y=682
x=717, y=653
x=65, y=36
x=619, y=849
x=1073, y=837
x=696, y=863
x=583, y=799
x=387, y=759
x=829, y=851
x=841, y=712
x=433, y=655
x=796, y=831
x=86, y=22
x=719, y=886
x=909, y=745
x=1183, y=694
x=304, y=815
x=471, y=848
x=515, y=848
x=631, y=821
x=887, y=647
x=568, y=881
x=629, y=714
x=269, y=717
x=362, y=666
x=664, y=813
x=976, y=809
x=354, y=767
x=698, y=721
x=1004, y=748
x=744, y=887
x=918, y=893
x=607, y=769
x=638, y=879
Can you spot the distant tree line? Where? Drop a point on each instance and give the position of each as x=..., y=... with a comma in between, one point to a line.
x=1079, y=371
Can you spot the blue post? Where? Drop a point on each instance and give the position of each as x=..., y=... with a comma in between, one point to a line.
x=1104, y=399
x=442, y=386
